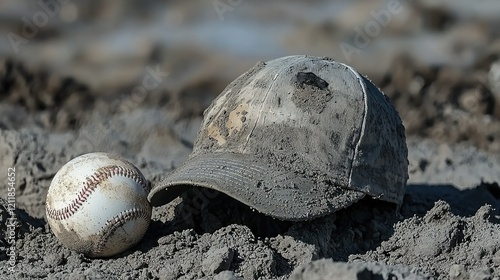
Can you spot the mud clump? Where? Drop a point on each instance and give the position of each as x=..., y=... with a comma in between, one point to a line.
x=457, y=245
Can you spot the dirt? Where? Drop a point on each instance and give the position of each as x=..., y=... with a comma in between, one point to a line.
x=309, y=95
x=60, y=98
x=449, y=106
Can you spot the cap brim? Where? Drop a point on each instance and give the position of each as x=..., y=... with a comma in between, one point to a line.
x=279, y=194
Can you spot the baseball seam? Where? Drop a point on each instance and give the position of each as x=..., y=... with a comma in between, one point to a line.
x=116, y=222
x=91, y=184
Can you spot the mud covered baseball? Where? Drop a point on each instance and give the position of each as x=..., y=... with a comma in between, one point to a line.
x=97, y=205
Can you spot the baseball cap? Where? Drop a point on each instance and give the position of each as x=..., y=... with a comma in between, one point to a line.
x=296, y=138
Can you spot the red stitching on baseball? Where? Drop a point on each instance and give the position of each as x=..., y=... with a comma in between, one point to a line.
x=116, y=222
x=91, y=184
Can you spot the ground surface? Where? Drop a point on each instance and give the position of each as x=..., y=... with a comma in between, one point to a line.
x=60, y=100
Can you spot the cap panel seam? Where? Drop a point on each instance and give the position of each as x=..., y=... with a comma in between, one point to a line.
x=260, y=110
x=244, y=150
x=363, y=125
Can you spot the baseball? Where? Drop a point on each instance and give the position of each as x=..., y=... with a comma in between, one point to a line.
x=97, y=205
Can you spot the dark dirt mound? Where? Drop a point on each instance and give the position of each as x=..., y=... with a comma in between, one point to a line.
x=444, y=103
x=59, y=101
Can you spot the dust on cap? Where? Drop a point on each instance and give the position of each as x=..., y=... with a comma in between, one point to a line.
x=296, y=138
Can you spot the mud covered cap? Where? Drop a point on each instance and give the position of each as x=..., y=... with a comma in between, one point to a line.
x=297, y=138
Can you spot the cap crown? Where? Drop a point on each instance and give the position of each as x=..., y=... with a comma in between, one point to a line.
x=315, y=117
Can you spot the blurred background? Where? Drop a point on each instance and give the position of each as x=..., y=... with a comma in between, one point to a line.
x=62, y=61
